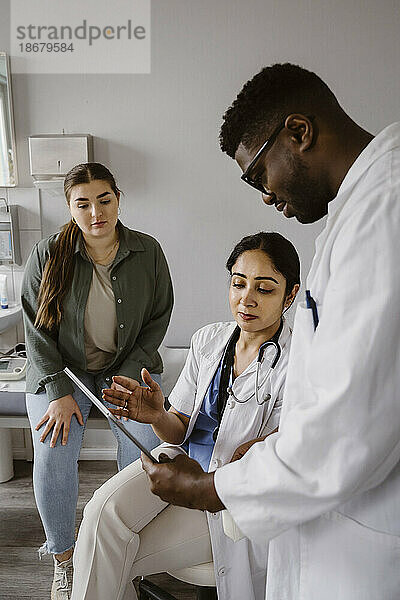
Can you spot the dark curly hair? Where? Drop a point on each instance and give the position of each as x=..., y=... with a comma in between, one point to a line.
x=267, y=99
x=280, y=251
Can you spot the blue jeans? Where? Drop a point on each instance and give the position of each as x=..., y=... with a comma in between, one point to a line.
x=55, y=470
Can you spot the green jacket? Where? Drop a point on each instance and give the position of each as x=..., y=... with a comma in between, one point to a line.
x=143, y=299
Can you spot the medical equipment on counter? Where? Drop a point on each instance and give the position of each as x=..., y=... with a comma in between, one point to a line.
x=13, y=363
x=108, y=414
x=12, y=368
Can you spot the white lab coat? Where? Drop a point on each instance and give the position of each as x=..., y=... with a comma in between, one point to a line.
x=328, y=484
x=240, y=568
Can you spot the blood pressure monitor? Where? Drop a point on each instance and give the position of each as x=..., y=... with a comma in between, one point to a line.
x=12, y=368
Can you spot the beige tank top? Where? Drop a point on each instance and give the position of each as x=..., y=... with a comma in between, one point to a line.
x=100, y=320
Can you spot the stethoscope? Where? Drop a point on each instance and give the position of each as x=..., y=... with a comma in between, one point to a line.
x=257, y=387
x=260, y=357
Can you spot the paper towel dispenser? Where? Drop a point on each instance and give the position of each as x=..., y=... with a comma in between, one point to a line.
x=52, y=156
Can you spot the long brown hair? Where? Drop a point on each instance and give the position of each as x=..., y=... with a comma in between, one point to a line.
x=59, y=268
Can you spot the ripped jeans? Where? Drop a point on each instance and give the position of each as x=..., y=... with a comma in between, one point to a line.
x=55, y=470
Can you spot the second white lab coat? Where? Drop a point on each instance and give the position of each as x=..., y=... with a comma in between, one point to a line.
x=240, y=568
x=327, y=486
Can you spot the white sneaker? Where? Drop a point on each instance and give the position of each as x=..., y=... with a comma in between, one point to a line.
x=62, y=581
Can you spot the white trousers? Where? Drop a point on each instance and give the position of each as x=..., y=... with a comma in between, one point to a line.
x=127, y=531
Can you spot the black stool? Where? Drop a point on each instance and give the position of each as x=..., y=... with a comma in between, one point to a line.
x=151, y=591
x=202, y=576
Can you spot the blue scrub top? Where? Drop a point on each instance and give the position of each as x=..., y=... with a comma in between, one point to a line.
x=200, y=444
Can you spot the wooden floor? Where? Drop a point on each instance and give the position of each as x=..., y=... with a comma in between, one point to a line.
x=22, y=575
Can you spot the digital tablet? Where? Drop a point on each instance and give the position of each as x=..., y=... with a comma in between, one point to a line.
x=107, y=413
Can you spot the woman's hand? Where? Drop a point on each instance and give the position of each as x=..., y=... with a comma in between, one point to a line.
x=58, y=416
x=144, y=405
x=243, y=448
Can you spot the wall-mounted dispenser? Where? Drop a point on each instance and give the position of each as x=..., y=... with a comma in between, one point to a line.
x=52, y=156
x=10, y=249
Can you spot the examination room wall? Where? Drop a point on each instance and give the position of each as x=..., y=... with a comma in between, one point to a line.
x=159, y=133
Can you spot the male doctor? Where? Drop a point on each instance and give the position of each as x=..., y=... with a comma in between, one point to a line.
x=326, y=488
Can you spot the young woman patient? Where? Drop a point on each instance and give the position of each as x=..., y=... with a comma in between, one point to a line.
x=96, y=297
x=223, y=402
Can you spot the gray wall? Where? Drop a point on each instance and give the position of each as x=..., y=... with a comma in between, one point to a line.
x=158, y=132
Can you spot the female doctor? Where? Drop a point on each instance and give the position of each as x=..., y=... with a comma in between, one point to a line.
x=227, y=398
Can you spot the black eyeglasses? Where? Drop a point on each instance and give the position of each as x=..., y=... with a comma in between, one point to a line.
x=267, y=145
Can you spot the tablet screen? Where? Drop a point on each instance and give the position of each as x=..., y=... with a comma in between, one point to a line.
x=107, y=413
